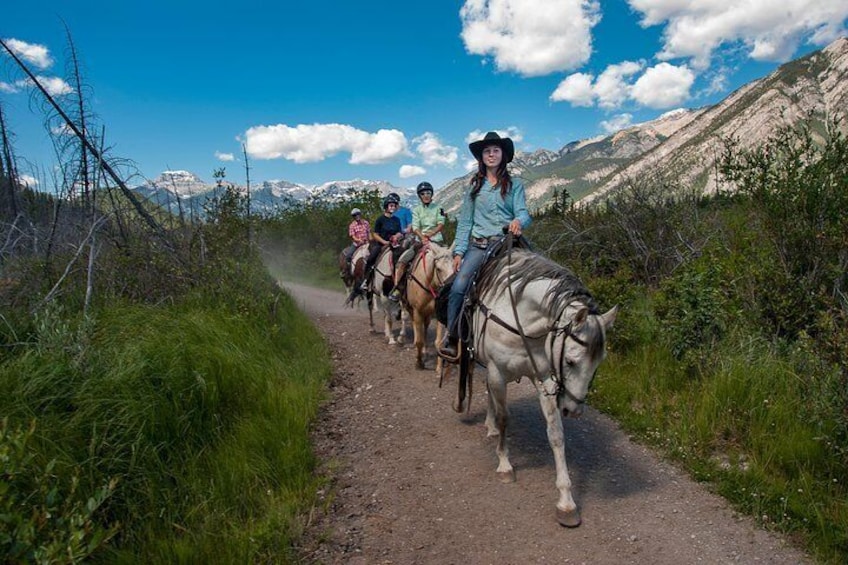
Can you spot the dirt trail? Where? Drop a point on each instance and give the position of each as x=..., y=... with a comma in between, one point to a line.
x=414, y=482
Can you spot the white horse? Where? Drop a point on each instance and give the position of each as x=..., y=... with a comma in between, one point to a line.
x=535, y=318
x=380, y=285
x=432, y=266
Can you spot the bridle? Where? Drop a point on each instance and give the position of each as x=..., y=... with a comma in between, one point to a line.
x=430, y=287
x=558, y=370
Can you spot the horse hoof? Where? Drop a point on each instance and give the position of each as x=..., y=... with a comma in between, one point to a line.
x=506, y=477
x=420, y=365
x=568, y=518
x=458, y=407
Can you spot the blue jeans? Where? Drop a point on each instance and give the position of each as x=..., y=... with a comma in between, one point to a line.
x=471, y=262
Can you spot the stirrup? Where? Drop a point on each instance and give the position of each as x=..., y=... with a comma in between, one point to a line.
x=447, y=356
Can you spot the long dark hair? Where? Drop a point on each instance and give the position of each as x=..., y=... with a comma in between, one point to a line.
x=504, y=180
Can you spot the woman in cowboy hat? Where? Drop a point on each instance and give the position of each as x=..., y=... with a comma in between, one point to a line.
x=494, y=202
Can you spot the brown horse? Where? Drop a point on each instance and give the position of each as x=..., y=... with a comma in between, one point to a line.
x=429, y=270
x=352, y=275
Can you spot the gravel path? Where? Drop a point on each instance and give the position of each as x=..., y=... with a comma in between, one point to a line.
x=414, y=482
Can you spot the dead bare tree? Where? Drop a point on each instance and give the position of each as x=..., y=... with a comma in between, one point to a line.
x=247, y=178
x=139, y=207
x=81, y=118
x=8, y=172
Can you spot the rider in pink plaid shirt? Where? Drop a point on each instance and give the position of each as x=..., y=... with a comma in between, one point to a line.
x=359, y=230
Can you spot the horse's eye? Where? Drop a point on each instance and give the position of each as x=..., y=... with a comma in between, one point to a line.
x=569, y=362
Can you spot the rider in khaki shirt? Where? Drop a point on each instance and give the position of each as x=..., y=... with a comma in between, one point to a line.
x=428, y=221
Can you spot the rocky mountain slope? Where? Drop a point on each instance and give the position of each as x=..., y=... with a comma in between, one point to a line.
x=812, y=89
x=686, y=143
x=581, y=165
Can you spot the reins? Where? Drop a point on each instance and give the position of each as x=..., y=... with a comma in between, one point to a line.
x=422, y=258
x=552, y=333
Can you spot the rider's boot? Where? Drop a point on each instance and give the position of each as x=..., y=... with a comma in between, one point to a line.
x=449, y=349
x=397, y=291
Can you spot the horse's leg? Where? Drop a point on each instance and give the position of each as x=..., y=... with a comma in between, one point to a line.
x=404, y=321
x=419, y=330
x=566, y=509
x=498, y=414
x=388, y=329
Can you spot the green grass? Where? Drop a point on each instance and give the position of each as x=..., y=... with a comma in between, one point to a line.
x=750, y=424
x=201, y=413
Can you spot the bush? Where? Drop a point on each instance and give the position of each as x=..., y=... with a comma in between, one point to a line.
x=44, y=518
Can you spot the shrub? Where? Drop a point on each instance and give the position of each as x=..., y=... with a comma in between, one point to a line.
x=44, y=518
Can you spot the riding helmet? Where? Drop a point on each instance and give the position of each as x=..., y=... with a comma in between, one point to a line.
x=424, y=187
x=355, y=211
x=390, y=199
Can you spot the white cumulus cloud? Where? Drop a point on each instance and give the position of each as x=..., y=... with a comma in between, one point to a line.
x=28, y=180
x=309, y=143
x=663, y=86
x=8, y=88
x=37, y=55
x=577, y=89
x=617, y=123
x=54, y=86
x=224, y=156
x=660, y=86
x=434, y=152
x=771, y=30
x=530, y=37
x=511, y=132
x=407, y=171
x=612, y=88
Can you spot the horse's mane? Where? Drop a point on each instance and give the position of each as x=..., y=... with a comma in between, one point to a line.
x=519, y=267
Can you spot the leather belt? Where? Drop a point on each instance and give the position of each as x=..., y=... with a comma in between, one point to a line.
x=483, y=242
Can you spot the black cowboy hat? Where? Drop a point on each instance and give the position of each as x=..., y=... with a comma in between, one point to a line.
x=492, y=138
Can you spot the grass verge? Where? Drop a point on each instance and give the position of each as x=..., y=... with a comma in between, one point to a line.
x=198, y=415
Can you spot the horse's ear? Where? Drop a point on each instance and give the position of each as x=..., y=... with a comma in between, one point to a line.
x=609, y=317
x=580, y=316
x=452, y=246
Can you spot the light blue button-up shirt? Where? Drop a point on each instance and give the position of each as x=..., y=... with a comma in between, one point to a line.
x=488, y=214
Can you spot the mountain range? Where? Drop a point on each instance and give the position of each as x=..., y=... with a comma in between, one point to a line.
x=182, y=190
x=684, y=143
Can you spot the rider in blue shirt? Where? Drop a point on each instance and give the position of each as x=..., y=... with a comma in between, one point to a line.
x=495, y=201
x=403, y=214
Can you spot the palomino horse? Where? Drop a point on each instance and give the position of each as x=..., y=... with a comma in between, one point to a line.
x=535, y=318
x=428, y=272
x=380, y=285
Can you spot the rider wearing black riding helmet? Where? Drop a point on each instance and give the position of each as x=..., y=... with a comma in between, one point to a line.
x=428, y=221
x=403, y=214
x=387, y=231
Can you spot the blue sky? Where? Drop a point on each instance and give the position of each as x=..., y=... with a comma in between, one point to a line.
x=384, y=90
